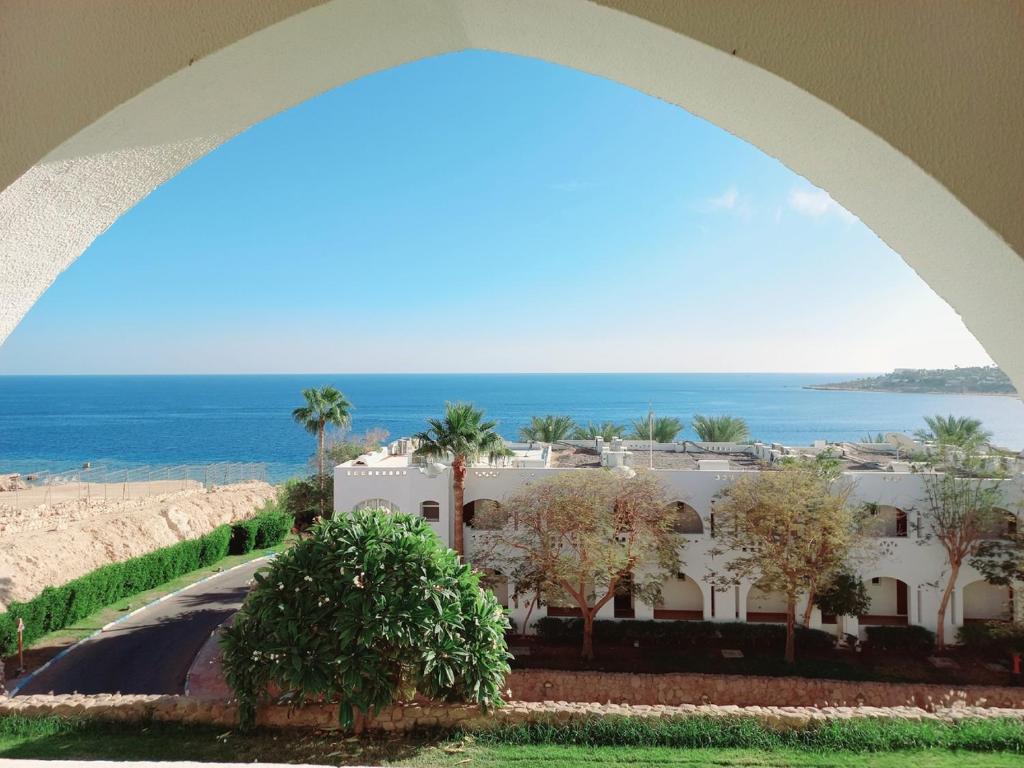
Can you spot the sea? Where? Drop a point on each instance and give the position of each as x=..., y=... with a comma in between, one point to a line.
x=57, y=423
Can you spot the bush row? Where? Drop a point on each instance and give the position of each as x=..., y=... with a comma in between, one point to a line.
x=992, y=637
x=908, y=639
x=733, y=634
x=58, y=607
x=860, y=735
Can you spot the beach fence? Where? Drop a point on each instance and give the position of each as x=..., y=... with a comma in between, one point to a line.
x=106, y=483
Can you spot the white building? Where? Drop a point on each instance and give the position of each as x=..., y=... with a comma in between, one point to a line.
x=905, y=572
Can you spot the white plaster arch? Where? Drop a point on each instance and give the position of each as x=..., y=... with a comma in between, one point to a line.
x=913, y=127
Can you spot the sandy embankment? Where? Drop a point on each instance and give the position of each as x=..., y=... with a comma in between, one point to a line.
x=52, y=544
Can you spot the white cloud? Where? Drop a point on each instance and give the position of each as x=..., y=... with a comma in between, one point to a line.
x=816, y=202
x=727, y=199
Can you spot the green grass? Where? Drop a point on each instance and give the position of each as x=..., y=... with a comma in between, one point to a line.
x=57, y=738
x=82, y=629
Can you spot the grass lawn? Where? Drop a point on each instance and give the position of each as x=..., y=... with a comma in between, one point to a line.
x=58, y=739
x=48, y=646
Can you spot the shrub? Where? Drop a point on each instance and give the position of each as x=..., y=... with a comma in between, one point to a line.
x=301, y=498
x=908, y=639
x=992, y=637
x=269, y=526
x=731, y=634
x=371, y=607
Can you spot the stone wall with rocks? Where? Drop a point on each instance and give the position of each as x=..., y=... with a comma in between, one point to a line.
x=745, y=691
x=415, y=717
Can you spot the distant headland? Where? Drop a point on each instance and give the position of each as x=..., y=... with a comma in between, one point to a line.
x=977, y=380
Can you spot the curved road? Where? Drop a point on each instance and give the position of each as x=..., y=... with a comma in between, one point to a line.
x=151, y=651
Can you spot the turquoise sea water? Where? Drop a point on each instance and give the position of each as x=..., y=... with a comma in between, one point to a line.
x=55, y=422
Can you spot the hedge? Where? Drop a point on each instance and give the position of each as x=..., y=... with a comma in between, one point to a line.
x=733, y=634
x=58, y=607
x=908, y=639
x=992, y=637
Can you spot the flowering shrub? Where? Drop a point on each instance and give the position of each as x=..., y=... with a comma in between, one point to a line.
x=369, y=609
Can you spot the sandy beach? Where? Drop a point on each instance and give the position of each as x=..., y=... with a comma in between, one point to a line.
x=52, y=543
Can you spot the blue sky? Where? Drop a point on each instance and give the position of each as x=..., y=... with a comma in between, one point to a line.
x=483, y=212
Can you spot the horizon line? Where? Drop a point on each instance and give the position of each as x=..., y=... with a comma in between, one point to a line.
x=459, y=373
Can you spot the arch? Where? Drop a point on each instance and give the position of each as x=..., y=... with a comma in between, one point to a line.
x=483, y=514
x=1003, y=525
x=497, y=582
x=681, y=599
x=688, y=520
x=887, y=521
x=986, y=602
x=430, y=510
x=377, y=503
x=143, y=90
x=890, y=601
x=764, y=605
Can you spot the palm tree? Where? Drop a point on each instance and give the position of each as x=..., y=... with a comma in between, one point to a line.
x=324, y=407
x=720, y=429
x=548, y=429
x=464, y=436
x=606, y=430
x=664, y=429
x=958, y=431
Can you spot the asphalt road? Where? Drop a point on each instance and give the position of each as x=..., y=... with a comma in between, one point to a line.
x=151, y=651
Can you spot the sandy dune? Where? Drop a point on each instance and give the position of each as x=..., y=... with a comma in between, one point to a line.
x=54, y=543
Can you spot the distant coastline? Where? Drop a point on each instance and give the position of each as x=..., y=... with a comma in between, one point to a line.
x=978, y=380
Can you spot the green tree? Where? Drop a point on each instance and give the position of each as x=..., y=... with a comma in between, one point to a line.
x=663, y=428
x=548, y=429
x=954, y=431
x=962, y=512
x=325, y=407
x=369, y=609
x=720, y=429
x=463, y=436
x=794, y=531
x=584, y=536
x=606, y=430
x=844, y=595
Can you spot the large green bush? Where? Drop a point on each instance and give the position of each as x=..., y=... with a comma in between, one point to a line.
x=992, y=637
x=731, y=634
x=58, y=607
x=303, y=498
x=370, y=608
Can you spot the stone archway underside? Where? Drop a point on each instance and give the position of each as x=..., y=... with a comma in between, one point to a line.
x=912, y=126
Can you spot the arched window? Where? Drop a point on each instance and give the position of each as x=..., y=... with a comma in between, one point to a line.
x=431, y=511
x=687, y=519
x=376, y=504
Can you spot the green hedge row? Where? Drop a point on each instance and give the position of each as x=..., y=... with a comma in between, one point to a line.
x=58, y=607
x=908, y=639
x=733, y=634
x=704, y=732
x=992, y=637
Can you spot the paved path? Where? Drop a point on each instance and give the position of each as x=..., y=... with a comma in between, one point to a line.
x=151, y=651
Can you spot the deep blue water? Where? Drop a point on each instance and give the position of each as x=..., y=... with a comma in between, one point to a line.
x=53, y=422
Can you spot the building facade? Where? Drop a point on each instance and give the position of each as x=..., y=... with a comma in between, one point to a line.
x=904, y=569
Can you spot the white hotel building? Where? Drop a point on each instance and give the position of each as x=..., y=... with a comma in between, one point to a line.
x=905, y=570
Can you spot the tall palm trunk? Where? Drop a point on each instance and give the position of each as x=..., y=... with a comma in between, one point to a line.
x=459, y=486
x=320, y=459
x=790, y=629
x=940, y=630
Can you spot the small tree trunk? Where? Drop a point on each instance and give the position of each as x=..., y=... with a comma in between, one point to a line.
x=809, y=609
x=459, y=485
x=790, y=629
x=588, y=635
x=940, y=629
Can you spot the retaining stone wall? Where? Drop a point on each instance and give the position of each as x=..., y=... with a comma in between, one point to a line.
x=413, y=717
x=744, y=691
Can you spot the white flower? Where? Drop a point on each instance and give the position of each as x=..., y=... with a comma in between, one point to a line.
x=280, y=585
x=358, y=581
x=281, y=606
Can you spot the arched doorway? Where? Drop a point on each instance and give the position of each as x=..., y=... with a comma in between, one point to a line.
x=890, y=602
x=681, y=600
x=986, y=602
x=384, y=504
x=933, y=170
x=688, y=521
x=765, y=605
x=484, y=514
